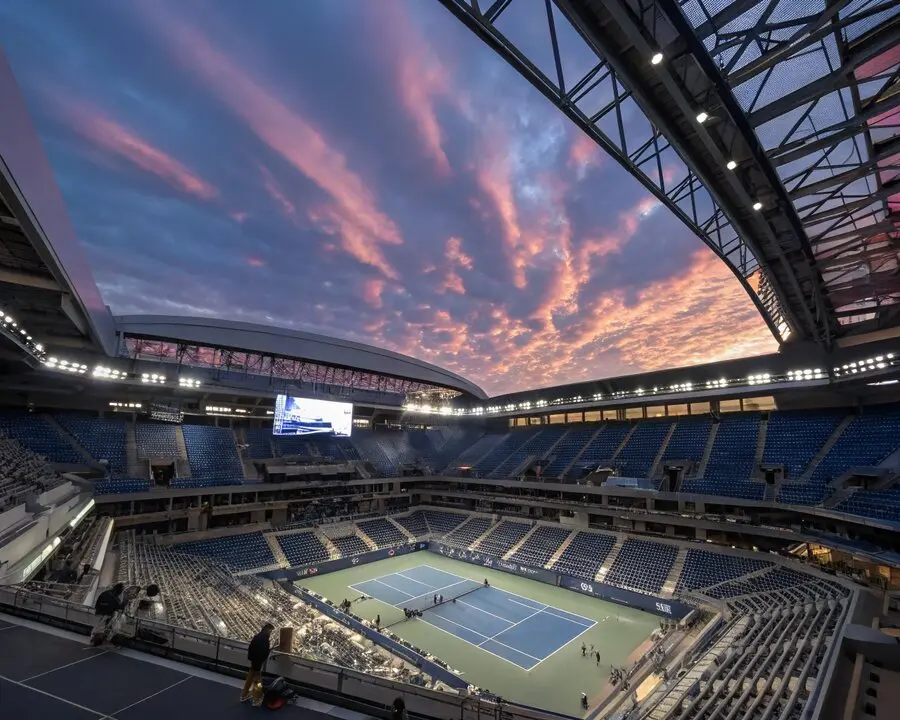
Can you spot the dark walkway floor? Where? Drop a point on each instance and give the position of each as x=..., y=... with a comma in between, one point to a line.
x=43, y=675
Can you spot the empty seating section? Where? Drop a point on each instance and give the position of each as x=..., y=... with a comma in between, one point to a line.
x=157, y=440
x=567, y=449
x=512, y=442
x=38, y=435
x=414, y=523
x=302, y=548
x=288, y=445
x=703, y=568
x=469, y=531
x=642, y=565
x=585, y=555
x=877, y=504
x=541, y=545
x=867, y=440
x=350, y=545
x=259, y=443
x=238, y=552
x=535, y=447
x=636, y=458
x=104, y=439
x=212, y=454
x=382, y=533
x=23, y=473
x=114, y=486
x=793, y=439
x=502, y=538
x=604, y=446
x=440, y=523
x=455, y=441
x=689, y=438
x=378, y=451
x=780, y=579
x=731, y=461
x=479, y=449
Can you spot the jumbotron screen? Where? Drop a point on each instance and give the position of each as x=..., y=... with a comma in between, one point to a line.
x=305, y=416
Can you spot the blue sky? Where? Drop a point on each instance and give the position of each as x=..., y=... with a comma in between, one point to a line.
x=367, y=170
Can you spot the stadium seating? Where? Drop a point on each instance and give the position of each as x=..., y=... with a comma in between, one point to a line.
x=602, y=449
x=23, y=473
x=414, y=523
x=470, y=455
x=877, y=504
x=541, y=545
x=568, y=448
x=259, y=443
x=510, y=444
x=38, y=435
x=585, y=555
x=440, y=523
x=534, y=447
x=382, y=532
x=114, y=486
x=503, y=537
x=157, y=440
x=302, y=548
x=104, y=439
x=469, y=531
x=636, y=458
x=350, y=545
x=704, y=568
x=642, y=565
x=794, y=438
x=731, y=462
x=237, y=552
x=212, y=454
x=689, y=439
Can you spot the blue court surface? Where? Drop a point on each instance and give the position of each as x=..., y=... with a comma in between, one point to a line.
x=511, y=627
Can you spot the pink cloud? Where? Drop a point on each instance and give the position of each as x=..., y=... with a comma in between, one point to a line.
x=362, y=227
x=109, y=135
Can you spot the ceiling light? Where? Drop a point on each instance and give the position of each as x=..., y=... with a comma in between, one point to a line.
x=757, y=205
x=702, y=117
x=656, y=59
x=731, y=165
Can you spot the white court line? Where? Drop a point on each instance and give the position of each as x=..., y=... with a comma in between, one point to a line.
x=487, y=638
x=566, y=645
x=9, y=627
x=499, y=617
x=67, y=665
x=402, y=592
x=428, y=585
x=158, y=692
x=452, y=634
x=51, y=695
x=436, y=591
x=548, y=608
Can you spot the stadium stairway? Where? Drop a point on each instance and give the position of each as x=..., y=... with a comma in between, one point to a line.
x=554, y=558
x=69, y=438
x=654, y=468
x=610, y=559
x=474, y=545
x=137, y=468
x=361, y=534
x=277, y=552
x=839, y=495
x=578, y=455
x=760, y=447
x=625, y=441
x=333, y=552
x=182, y=449
x=707, y=451
x=402, y=529
x=826, y=448
x=521, y=542
x=668, y=588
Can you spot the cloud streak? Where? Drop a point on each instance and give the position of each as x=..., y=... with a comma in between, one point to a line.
x=381, y=177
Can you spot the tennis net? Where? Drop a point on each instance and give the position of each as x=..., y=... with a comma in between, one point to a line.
x=442, y=596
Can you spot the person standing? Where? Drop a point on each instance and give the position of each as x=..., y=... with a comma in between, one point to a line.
x=257, y=654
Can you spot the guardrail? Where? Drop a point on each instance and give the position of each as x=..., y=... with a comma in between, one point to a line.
x=340, y=686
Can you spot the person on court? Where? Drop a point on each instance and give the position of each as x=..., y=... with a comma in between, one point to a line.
x=257, y=654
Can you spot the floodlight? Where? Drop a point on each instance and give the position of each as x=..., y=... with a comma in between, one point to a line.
x=656, y=59
x=702, y=117
x=731, y=165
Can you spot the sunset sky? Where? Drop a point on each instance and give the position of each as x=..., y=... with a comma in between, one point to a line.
x=367, y=170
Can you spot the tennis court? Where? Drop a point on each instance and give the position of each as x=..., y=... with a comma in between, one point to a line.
x=512, y=627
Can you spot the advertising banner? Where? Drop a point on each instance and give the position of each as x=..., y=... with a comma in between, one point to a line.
x=328, y=566
x=650, y=603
